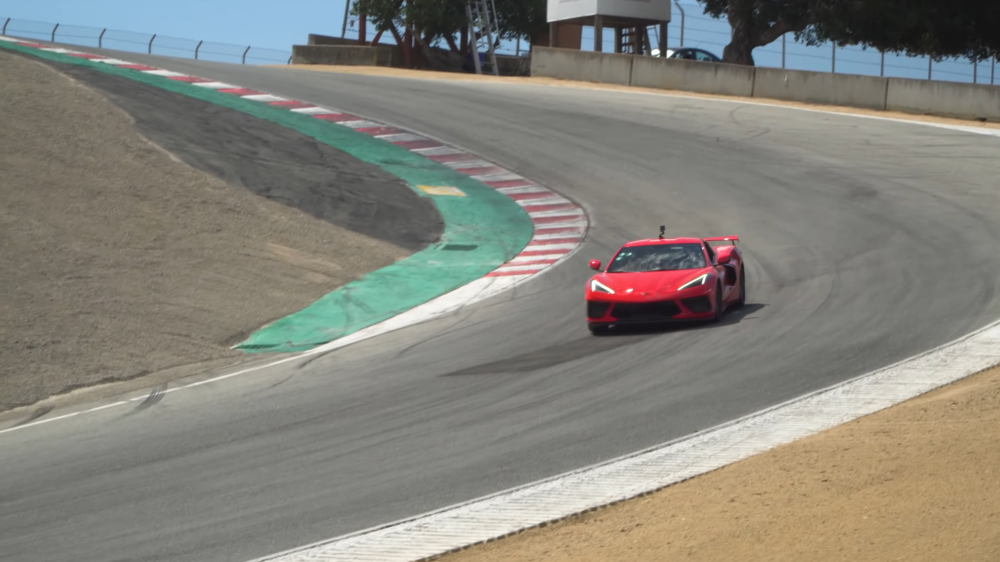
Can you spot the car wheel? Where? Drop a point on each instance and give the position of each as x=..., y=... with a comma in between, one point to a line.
x=598, y=329
x=718, y=303
x=743, y=288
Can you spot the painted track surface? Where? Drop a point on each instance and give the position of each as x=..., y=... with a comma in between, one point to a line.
x=868, y=241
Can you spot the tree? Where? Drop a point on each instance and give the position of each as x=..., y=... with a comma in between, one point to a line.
x=935, y=28
x=521, y=19
x=756, y=23
x=444, y=19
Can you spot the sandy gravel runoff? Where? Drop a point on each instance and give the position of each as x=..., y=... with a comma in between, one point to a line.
x=919, y=482
x=117, y=260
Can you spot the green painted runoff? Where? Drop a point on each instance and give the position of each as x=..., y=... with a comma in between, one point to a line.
x=483, y=229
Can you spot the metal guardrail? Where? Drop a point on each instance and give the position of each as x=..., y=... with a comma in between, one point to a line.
x=149, y=43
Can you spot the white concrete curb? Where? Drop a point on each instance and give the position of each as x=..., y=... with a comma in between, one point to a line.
x=556, y=498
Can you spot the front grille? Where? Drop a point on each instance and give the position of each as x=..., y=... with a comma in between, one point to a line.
x=597, y=309
x=698, y=304
x=645, y=310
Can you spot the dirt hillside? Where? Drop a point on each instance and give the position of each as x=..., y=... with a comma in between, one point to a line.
x=118, y=260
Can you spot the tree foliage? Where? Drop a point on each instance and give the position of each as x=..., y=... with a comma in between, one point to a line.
x=756, y=23
x=440, y=19
x=522, y=19
x=935, y=28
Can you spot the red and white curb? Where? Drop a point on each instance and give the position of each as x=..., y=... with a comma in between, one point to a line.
x=559, y=223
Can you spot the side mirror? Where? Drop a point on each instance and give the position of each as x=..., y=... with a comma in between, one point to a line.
x=595, y=264
x=723, y=260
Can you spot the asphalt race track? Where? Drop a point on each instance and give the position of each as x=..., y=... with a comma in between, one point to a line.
x=867, y=241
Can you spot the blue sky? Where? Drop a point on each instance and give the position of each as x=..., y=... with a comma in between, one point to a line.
x=228, y=26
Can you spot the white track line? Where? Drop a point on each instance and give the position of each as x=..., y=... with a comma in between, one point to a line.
x=626, y=477
x=401, y=137
x=215, y=85
x=316, y=110
x=266, y=98
x=439, y=151
x=480, y=289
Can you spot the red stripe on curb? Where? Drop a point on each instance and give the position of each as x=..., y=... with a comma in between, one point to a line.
x=290, y=104
x=575, y=230
x=241, y=92
x=568, y=240
x=544, y=208
x=336, y=117
x=417, y=144
x=508, y=183
x=136, y=67
x=35, y=45
x=531, y=195
x=560, y=218
x=375, y=131
x=500, y=273
x=487, y=171
x=83, y=55
x=189, y=79
x=543, y=252
x=561, y=230
x=548, y=261
x=453, y=157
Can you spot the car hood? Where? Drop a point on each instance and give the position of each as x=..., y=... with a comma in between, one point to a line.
x=650, y=282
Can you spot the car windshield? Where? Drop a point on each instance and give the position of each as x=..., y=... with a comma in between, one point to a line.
x=658, y=257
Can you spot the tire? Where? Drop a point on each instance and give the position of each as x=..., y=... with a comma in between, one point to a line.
x=743, y=289
x=598, y=329
x=718, y=303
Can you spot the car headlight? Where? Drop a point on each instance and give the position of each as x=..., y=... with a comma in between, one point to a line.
x=694, y=282
x=598, y=287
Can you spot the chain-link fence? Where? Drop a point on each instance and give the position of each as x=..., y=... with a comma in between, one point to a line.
x=689, y=28
x=136, y=42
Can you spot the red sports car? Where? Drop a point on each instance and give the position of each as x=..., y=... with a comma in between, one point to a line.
x=667, y=280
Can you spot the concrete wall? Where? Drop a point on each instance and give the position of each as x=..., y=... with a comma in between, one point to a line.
x=513, y=66
x=352, y=55
x=820, y=87
x=692, y=76
x=569, y=64
x=948, y=99
x=315, y=39
x=964, y=101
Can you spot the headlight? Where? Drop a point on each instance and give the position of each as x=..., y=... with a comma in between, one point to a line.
x=598, y=287
x=694, y=283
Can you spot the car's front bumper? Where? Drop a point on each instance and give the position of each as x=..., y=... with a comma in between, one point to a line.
x=689, y=308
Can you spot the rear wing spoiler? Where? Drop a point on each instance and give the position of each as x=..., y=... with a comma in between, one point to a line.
x=725, y=240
